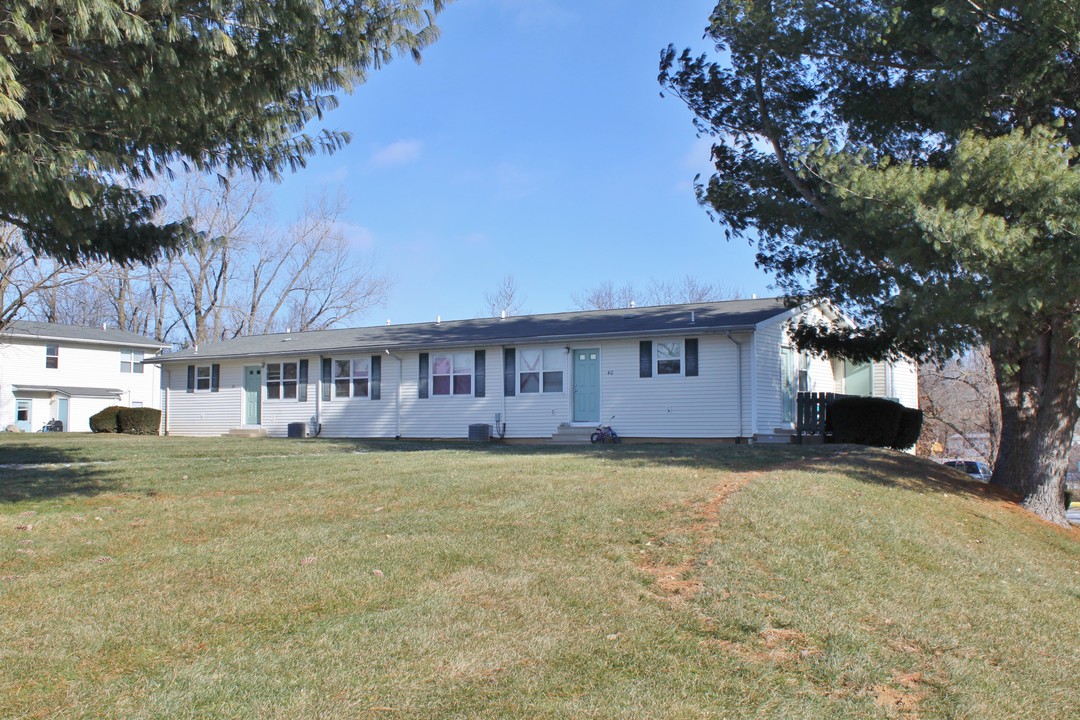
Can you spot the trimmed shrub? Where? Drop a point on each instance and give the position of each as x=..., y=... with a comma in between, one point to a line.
x=910, y=427
x=106, y=421
x=865, y=420
x=139, y=421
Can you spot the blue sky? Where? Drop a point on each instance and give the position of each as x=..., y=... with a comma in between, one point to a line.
x=531, y=141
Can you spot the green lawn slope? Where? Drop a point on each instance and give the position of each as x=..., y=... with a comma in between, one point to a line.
x=171, y=577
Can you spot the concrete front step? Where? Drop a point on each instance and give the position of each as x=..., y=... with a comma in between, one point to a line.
x=571, y=435
x=246, y=432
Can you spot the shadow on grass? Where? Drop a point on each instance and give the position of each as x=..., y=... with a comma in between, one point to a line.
x=706, y=456
x=871, y=465
x=34, y=472
x=893, y=469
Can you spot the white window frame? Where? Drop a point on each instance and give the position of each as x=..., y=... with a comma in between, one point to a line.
x=356, y=371
x=53, y=356
x=282, y=384
x=131, y=361
x=541, y=370
x=681, y=345
x=202, y=377
x=456, y=371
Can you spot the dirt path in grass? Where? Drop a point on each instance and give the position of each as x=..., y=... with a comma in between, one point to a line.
x=678, y=583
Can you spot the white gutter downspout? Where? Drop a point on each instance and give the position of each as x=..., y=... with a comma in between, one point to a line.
x=165, y=410
x=739, y=382
x=397, y=392
x=318, y=399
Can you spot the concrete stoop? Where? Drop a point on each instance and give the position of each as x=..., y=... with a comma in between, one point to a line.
x=246, y=432
x=571, y=435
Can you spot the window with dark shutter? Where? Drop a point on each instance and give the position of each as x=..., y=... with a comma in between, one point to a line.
x=509, y=372
x=691, y=357
x=376, y=377
x=422, y=376
x=215, y=377
x=327, y=380
x=645, y=359
x=191, y=378
x=301, y=389
x=480, y=373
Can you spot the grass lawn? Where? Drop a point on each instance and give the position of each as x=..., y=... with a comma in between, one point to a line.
x=173, y=577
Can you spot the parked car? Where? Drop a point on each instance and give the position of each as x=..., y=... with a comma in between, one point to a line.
x=1073, y=513
x=977, y=470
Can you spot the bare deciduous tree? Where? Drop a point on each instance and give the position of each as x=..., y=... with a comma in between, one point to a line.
x=505, y=298
x=239, y=276
x=307, y=278
x=36, y=288
x=960, y=405
x=607, y=296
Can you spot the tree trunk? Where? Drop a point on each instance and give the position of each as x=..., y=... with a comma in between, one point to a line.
x=1038, y=380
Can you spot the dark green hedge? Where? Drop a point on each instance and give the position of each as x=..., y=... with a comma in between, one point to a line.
x=132, y=421
x=107, y=420
x=139, y=421
x=865, y=420
x=910, y=427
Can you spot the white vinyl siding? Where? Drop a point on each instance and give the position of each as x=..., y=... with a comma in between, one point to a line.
x=671, y=406
x=770, y=375
x=81, y=364
x=446, y=416
x=205, y=413
x=530, y=415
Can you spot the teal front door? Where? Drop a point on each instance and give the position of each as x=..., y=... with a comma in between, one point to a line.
x=62, y=411
x=22, y=414
x=587, y=385
x=252, y=395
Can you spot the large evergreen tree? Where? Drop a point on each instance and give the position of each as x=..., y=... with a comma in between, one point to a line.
x=916, y=162
x=97, y=95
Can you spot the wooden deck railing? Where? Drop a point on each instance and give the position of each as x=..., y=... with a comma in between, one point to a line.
x=812, y=414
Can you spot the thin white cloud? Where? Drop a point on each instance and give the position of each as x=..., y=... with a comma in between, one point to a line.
x=358, y=236
x=401, y=152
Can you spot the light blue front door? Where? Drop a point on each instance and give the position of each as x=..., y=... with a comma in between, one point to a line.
x=62, y=411
x=252, y=395
x=587, y=385
x=22, y=415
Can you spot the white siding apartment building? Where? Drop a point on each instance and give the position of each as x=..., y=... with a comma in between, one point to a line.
x=723, y=370
x=66, y=373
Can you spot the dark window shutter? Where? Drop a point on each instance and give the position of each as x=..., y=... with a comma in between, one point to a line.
x=215, y=377
x=509, y=372
x=327, y=367
x=191, y=378
x=645, y=359
x=301, y=381
x=480, y=373
x=376, y=377
x=422, y=379
x=691, y=357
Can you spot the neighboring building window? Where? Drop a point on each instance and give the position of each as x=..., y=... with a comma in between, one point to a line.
x=202, y=377
x=352, y=378
x=136, y=404
x=281, y=381
x=52, y=356
x=669, y=357
x=541, y=370
x=452, y=374
x=131, y=361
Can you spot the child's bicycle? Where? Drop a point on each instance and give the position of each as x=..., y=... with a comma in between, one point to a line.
x=605, y=434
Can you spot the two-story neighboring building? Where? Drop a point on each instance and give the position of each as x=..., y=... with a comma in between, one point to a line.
x=68, y=373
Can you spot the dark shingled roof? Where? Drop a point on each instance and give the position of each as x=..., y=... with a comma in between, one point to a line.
x=82, y=392
x=52, y=331
x=596, y=324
